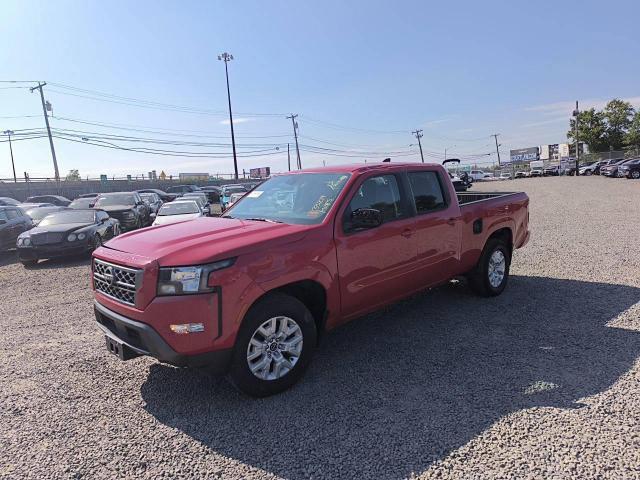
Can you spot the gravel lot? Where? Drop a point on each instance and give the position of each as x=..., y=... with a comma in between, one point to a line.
x=541, y=382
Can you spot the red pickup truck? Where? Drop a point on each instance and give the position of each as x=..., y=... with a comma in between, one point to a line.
x=249, y=293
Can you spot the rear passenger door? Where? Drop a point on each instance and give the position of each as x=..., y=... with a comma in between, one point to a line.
x=438, y=226
x=375, y=264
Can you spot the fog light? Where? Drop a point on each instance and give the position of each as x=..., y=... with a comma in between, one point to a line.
x=184, y=328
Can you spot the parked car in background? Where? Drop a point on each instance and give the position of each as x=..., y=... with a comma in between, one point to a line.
x=57, y=200
x=213, y=192
x=226, y=192
x=205, y=207
x=164, y=196
x=127, y=207
x=552, y=171
x=153, y=201
x=234, y=198
x=178, y=211
x=622, y=173
x=590, y=169
x=505, y=176
x=535, y=172
x=611, y=168
x=521, y=174
x=179, y=190
x=249, y=293
x=27, y=206
x=13, y=221
x=88, y=195
x=38, y=213
x=67, y=232
x=479, y=175
x=631, y=169
x=83, y=203
x=4, y=201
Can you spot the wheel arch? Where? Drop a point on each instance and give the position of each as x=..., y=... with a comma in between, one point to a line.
x=311, y=293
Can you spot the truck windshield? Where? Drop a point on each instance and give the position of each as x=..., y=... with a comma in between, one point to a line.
x=303, y=198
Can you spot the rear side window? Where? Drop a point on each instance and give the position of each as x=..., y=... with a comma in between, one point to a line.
x=3, y=215
x=427, y=191
x=381, y=193
x=12, y=213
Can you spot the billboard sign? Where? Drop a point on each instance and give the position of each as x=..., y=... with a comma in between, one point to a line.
x=262, y=172
x=523, y=155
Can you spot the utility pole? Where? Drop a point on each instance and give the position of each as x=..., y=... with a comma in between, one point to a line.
x=227, y=58
x=8, y=133
x=495, y=135
x=288, y=157
x=576, y=114
x=418, y=134
x=46, y=120
x=295, y=134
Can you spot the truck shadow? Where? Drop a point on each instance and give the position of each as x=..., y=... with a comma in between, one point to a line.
x=394, y=392
x=8, y=258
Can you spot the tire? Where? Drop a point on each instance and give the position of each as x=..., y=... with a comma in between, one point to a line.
x=588, y=173
x=480, y=279
x=29, y=263
x=282, y=308
x=635, y=174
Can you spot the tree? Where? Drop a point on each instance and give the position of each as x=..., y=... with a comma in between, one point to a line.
x=73, y=176
x=618, y=115
x=592, y=129
x=632, y=136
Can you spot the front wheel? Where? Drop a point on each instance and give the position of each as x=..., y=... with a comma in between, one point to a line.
x=490, y=276
x=274, y=346
x=97, y=242
x=29, y=263
x=588, y=173
x=635, y=174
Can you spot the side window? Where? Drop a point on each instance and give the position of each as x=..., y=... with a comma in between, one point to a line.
x=12, y=213
x=380, y=193
x=102, y=216
x=427, y=191
x=3, y=215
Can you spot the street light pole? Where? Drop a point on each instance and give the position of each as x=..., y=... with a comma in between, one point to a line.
x=8, y=133
x=227, y=58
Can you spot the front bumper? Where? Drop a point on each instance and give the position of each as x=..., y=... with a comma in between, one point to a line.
x=142, y=339
x=36, y=252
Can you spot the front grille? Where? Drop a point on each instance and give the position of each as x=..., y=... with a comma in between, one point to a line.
x=116, y=281
x=46, y=238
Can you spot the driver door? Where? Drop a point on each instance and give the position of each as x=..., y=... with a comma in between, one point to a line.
x=375, y=265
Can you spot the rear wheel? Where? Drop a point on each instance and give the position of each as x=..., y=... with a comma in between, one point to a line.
x=588, y=173
x=274, y=346
x=635, y=174
x=490, y=276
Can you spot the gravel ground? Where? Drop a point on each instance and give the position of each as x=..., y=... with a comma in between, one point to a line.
x=541, y=382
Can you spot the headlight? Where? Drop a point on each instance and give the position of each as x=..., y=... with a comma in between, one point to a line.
x=81, y=236
x=71, y=237
x=26, y=241
x=189, y=280
x=20, y=240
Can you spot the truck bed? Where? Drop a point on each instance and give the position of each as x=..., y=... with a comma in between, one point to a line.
x=465, y=198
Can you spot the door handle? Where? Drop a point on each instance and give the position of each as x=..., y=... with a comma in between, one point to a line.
x=451, y=221
x=407, y=232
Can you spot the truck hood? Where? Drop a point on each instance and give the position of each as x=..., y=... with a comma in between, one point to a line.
x=205, y=240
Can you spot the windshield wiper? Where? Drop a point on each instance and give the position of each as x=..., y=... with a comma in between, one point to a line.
x=262, y=219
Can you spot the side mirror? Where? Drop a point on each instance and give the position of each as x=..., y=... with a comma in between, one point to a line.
x=152, y=215
x=366, y=218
